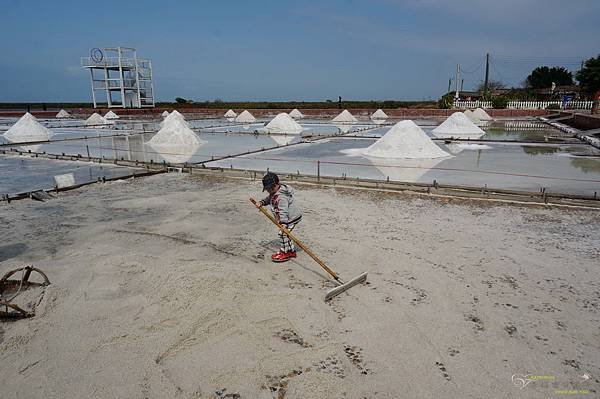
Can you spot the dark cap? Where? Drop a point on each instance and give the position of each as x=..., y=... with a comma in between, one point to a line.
x=269, y=180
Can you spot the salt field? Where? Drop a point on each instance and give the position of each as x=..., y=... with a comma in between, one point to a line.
x=497, y=161
x=305, y=200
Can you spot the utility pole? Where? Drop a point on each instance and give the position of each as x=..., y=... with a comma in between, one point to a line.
x=487, y=72
x=449, y=85
x=462, y=82
x=457, y=79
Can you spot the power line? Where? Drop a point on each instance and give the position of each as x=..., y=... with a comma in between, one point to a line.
x=463, y=70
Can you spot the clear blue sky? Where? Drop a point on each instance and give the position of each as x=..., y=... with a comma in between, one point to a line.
x=286, y=50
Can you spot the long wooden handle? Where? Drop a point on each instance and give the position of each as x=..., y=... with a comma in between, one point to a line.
x=296, y=240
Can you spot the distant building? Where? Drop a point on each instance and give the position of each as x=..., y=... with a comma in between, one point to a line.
x=559, y=92
x=119, y=78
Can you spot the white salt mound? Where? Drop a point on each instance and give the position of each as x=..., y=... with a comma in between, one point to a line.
x=95, y=119
x=173, y=116
x=175, y=133
x=469, y=114
x=345, y=117
x=296, y=114
x=482, y=115
x=175, y=141
x=283, y=123
x=63, y=114
x=458, y=125
x=165, y=114
x=111, y=115
x=230, y=114
x=405, y=140
x=379, y=114
x=27, y=128
x=245, y=117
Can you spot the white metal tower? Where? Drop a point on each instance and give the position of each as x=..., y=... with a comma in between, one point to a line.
x=119, y=76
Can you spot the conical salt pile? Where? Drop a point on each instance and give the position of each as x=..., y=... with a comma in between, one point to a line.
x=63, y=114
x=458, y=126
x=472, y=117
x=405, y=140
x=482, y=115
x=245, y=117
x=283, y=123
x=345, y=117
x=296, y=114
x=111, y=115
x=27, y=128
x=176, y=142
x=175, y=133
x=173, y=116
x=230, y=114
x=379, y=114
x=165, y=114
x=95, y=119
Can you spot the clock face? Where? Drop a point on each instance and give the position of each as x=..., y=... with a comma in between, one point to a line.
x=97, y=55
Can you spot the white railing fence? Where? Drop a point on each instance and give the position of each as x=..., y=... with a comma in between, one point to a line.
x=472, y=104
x=575, y=104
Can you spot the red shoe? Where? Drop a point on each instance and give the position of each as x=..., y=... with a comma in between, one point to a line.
x=283, y=256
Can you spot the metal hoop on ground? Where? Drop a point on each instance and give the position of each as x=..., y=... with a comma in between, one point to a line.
x=15, y=287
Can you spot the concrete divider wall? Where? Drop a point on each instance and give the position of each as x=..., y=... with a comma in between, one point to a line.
x=581, y=121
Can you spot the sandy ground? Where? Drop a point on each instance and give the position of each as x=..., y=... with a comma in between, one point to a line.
x=163, y=288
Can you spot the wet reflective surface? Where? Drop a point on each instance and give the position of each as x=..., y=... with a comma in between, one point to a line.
x=565, y=168
x=568, y=168
x=23, y=174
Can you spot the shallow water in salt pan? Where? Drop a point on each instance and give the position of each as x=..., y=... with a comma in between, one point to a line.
x=23, y=174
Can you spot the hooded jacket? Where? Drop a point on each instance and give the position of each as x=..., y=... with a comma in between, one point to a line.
x=283, y=206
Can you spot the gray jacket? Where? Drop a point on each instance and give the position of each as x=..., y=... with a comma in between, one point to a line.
x=283, y=206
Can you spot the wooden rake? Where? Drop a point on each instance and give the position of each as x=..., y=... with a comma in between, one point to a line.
x=341, y=285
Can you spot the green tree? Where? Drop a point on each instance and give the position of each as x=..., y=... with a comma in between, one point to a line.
x=492, y=85
x=499, y=102
x=180, y=100
x=446, y=102
x=589, y=76
x=542, y=77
